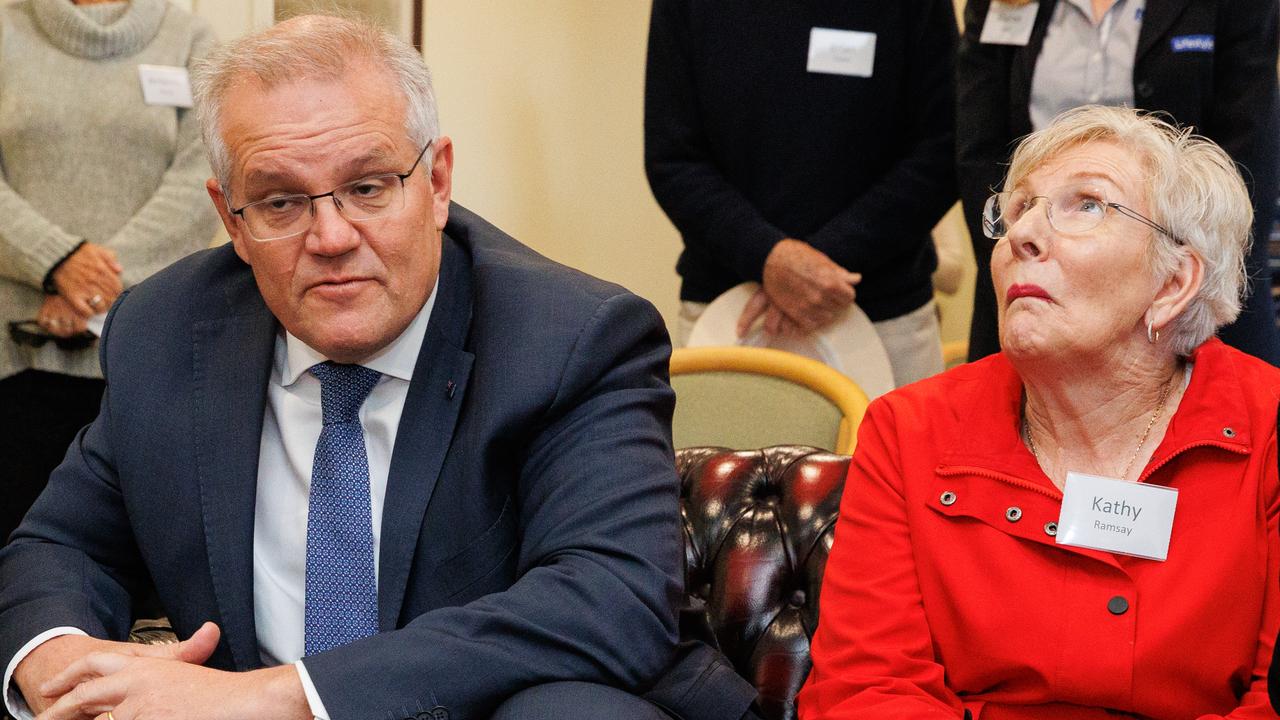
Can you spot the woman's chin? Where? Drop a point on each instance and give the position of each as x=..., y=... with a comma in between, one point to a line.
x=1024, y=343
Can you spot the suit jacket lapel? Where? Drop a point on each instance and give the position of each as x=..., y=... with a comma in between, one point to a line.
x=1024, y=61
x=426, y=428
x=1157, y=18
x=232, y=366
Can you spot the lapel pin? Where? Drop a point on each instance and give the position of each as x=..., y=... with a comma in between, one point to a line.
x=449, y=387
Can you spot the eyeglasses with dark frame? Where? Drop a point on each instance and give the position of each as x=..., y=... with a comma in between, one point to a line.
x=1071, y=209
x=284, y=216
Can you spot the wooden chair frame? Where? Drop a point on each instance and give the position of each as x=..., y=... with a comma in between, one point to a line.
x=836, y=387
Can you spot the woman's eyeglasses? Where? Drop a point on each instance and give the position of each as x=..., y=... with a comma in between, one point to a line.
x=1071, y=210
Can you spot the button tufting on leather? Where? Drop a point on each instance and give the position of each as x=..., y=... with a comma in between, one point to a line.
x=758, y=524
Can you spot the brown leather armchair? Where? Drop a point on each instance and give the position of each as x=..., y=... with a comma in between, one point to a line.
x=758, y=526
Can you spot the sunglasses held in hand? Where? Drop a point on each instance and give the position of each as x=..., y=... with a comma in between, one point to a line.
x=30, y=334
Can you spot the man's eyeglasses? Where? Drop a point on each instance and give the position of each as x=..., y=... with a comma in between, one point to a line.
x=282, y=216
x=1071, y=209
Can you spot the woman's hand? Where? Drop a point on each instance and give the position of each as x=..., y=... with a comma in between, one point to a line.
x=59, y=318
x=89, y=279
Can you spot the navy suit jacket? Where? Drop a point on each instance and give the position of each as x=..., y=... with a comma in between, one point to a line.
x=531, y=524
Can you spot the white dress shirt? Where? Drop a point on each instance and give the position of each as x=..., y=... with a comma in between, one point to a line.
x=290, y=430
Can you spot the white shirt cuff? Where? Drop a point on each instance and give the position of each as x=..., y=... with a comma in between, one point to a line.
x=13, y=700
x=313, y=698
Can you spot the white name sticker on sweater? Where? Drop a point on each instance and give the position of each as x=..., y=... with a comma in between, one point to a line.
x=165, y=85
x=1009, y=24
x=841, y=52
x=1124, y=517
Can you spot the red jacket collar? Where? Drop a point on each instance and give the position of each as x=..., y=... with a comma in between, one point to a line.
x=986, y=406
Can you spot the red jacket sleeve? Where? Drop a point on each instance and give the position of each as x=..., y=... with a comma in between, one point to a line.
x=872, y=654
x=1255, y=703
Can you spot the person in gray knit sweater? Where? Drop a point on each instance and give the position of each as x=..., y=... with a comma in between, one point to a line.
x=98, y=189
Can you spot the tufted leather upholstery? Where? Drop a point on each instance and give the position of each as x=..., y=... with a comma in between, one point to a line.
x=758, y=526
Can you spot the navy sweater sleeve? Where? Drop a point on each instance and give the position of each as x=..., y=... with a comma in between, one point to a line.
x=680, y=162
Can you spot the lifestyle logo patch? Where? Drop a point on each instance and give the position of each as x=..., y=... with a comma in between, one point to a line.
x=1192, y=43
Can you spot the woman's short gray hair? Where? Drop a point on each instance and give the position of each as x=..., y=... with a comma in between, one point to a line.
x=310, y=46
x=1193, y=189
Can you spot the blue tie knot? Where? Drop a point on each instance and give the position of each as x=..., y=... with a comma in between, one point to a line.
x=343, y=389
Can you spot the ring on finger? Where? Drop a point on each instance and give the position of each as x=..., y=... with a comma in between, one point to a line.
x=95, y=301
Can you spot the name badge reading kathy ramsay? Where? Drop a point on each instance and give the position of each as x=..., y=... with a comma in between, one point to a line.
x=1117, y=516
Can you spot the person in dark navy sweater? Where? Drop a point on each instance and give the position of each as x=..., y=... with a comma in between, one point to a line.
x=808, y=146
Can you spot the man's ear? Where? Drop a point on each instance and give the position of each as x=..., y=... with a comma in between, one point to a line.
x=441, y=179
x=228, y=220
x=1178, y=290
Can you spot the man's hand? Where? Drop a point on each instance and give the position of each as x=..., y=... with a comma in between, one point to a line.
x=59, y=318
x=805, y=285
x=89, y=279
x=775, y=323
x=52, y=658
x=171, y=685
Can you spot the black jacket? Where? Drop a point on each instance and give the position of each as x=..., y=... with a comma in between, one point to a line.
x=1229, y=95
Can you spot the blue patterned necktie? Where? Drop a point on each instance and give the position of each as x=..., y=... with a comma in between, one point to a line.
x=341, y=592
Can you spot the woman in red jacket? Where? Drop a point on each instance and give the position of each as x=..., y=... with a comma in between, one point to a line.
x=1086, y=523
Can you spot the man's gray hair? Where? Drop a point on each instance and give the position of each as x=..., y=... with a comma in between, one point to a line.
x=310, y=46
x=1193, y=189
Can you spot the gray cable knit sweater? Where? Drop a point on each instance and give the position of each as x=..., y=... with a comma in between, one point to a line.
x=81, y=155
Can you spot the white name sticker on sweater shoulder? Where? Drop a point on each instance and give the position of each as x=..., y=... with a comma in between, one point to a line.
x=165, y=85
x=841, y=52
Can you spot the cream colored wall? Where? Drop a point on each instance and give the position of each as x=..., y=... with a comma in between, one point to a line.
x=232, y=18
x=544, y=102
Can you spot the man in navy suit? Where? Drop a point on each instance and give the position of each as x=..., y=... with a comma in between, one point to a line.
x=378, y=459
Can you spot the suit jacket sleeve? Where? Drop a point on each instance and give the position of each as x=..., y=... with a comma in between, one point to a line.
x=872, y=653
x=73, y=561
x=599, y=558
x=908, y=200
x=703, y=205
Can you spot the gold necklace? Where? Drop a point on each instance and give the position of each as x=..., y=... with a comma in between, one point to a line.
x=1164, y=395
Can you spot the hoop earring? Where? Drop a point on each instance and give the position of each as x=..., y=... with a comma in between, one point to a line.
x=1153, y=335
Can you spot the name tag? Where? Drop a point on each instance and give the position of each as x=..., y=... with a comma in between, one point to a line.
x=165, y=85
x=1192, y=43
x=1009, y=24
x=841, y=52
x=1117, y=516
